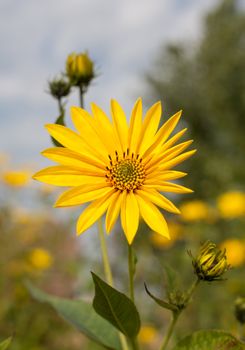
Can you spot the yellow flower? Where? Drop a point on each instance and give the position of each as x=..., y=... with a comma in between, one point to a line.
x=40, y=259
x=147, y=334
x=231, y=204
x=194, y=210
x=235, y=251
x=120, y=168
x=16, y=178
x=79, y=68
x=158, y=241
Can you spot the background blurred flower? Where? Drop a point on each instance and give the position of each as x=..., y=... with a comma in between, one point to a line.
x=147, y=334
x=194, y=211
x=40, y=259
x=16, y=178
x=235, y=251
x=175, y=230
x=231, y=204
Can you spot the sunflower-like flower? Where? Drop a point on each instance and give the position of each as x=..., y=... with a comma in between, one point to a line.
x=120, y=168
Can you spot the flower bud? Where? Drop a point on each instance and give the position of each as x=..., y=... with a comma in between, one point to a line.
x=240, y=310
x=211, y=262
x=79, y=69
x=59, y=88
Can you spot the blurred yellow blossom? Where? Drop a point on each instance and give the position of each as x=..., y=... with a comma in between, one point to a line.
x=16, y=178
x=231, y=204
x=159, y=241
x=147, y=334
x=235, y=251
x=194, y=210
x=79, y=68
x=40, y=259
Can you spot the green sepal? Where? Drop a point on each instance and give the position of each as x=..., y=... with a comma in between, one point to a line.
x=5, y=344
x=116, y=308
x=161, y=302
x=60, y=120
x=210, y=340
x=81, y=315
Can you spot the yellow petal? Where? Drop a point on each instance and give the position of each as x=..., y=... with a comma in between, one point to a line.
x=163, y=176
x=149, y=127
x=64, y=176
x=64, y=156
x=152, y=216
x=113, y=211
x=174, y=188
x=173, y=162
x=81, y=195
x=155, y=197
x=163, y=133
x=120, y=124
x=129, y=215
x=135, y=126
x=93, y=212
x=84, y=123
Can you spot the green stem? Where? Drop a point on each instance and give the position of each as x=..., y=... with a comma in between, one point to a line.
x=81, y=96
x=131, y=271
x=108, y=273
x=175, y=315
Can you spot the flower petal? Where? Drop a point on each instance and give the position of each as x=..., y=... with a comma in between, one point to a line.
x=135, y=126
x=81, y=195
x=155, y=197
x=129, y=215
x=93, y=212
x=113, y=211
x=163, y=176
x=152, y=216
x=120, y=124
x=175, y=161
x=149, y=127
x=174, y=188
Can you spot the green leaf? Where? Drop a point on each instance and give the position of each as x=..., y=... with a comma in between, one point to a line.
x=5, y=344
x=116, y=308
x=160, y=302
x=81, y=315
x=210, y=340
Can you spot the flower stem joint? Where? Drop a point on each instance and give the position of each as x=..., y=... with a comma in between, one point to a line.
x=210, y=263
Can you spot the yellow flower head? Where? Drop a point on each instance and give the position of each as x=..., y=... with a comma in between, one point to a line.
x=16, y=178
x=231, y=204
x=79, y=68
x=118, y=167
x=211, y=262
x=194, y=211
x=235, y=251
x=40, y=259
x=147, y=334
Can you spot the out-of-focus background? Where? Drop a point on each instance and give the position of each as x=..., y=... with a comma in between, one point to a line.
x=190, y=55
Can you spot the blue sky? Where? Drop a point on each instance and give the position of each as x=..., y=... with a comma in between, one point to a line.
x=123, y=37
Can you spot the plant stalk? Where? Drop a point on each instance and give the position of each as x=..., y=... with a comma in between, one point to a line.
x=108, y=273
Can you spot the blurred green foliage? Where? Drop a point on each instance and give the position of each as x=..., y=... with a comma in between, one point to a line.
x=207, y=81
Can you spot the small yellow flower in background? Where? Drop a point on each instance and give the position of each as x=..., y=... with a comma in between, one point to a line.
x=235, y=251
x=40, y=259
x=175, y=231
x=194, y=211
x=231, y=204
x=147, y=334
x=210, y=263
x=79, y=68
x=16, y=178
x=119, y=168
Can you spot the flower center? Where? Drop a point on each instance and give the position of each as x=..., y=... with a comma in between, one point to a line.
x=126, y=173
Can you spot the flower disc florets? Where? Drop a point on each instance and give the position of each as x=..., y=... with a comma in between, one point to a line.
x=126, y=173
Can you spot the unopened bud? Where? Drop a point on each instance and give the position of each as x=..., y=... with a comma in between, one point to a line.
x=79, y=69
x=211, y=262
x=59, y=87
x=240, y=310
